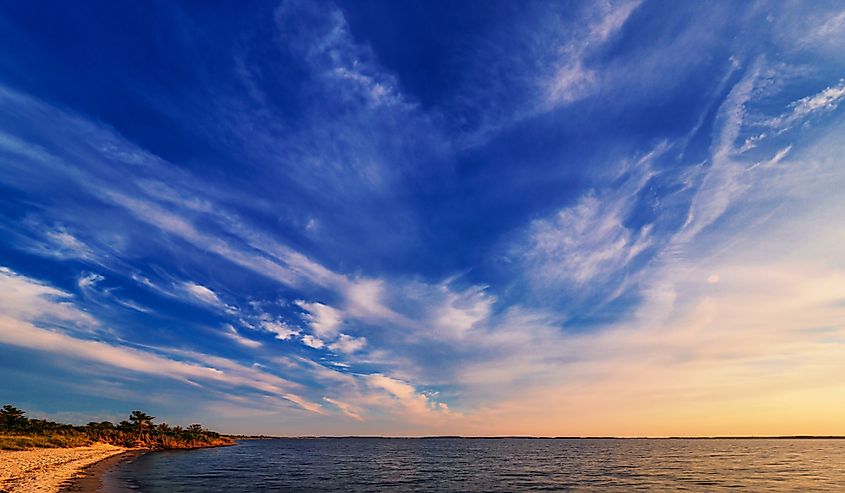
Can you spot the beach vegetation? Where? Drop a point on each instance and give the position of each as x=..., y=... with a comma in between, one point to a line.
x=18, y=432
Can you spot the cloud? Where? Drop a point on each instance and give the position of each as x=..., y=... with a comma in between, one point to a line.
x=345, y=408
x=16, y=146
x=585, y=245
x=572, y=79
x=202, y=293
x=88, y=280
x=68, y=245
x=232, y=333
x=180, y=227
x=305, y=404
x=88, y=284
x=724, y=179
x=271, y=259
x=777, y=158
x=364, y=298
x=406, y=397
x=348, y=344
x=24, y=301
x=312, y=341
x=459, y=312
x=825, y=101
x=546, y=57
x=53, y=242
x=281, y=330
x=800, y=112
x=324, y=320
x=323, y=40
x=833, y=26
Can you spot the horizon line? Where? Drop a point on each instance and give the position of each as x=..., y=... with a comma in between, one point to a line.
x=541, y=437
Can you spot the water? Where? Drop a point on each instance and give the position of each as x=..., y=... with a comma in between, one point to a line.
x=501, y=465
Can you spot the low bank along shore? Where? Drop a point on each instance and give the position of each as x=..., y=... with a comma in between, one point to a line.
x=45, y=470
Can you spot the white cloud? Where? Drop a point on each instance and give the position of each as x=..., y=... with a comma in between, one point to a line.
x=25, y=299
x=832, y=26
x=68, y=245
x=172, y=223
x=205, y=295
x=347, y=68
x=825, y=101
x=459, y=312
x=269, y=258
x=88, y=280
x=202, y=293
x=305, y=404
x=589, y=242
x=348, y=344
x=724, y=180
x=313, y=342
x=232, y=333
x=25, y=302
x=799, y=112
x=571, y=82
x=777, y=158
x=583, y=243
x=56, y=242
x=416, y=404
x=324, y=320
x=279, y=328
x=571, y=79
x=345, y=408
x=88, y=285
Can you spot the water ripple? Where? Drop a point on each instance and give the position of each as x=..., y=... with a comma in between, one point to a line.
x=506, y=465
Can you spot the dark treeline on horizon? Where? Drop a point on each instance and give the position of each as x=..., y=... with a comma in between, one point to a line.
x=138, y=431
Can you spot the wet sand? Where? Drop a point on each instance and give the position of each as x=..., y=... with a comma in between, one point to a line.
x=96, y=479
x=46, y=470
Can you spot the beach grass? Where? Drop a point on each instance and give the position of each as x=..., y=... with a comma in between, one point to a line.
x=24, y=442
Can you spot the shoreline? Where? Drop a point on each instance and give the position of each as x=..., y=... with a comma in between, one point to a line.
x=93, y=478
x=96, y=477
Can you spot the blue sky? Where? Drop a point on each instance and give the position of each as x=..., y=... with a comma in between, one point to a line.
x=425, y=217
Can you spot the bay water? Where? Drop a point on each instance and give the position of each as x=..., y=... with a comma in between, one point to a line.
x=490, y=465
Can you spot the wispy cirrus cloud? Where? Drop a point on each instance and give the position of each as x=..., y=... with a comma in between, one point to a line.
x=348, y=68
x=346, y=408
x=572, y=78
x=38, y=303
x=800, y=112
x=724, y=178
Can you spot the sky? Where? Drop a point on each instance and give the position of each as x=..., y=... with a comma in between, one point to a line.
x=426, y=217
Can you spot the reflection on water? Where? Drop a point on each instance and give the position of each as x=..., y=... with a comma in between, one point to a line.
x=502, y=465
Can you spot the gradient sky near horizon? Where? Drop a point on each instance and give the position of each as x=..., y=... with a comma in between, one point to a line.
x=426, y=217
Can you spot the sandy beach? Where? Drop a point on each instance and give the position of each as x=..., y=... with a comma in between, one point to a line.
x=45, y=470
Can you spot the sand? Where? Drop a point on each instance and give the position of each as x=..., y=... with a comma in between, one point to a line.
x=45, y=470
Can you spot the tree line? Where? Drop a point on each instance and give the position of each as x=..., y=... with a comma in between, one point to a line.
x=138, y=431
